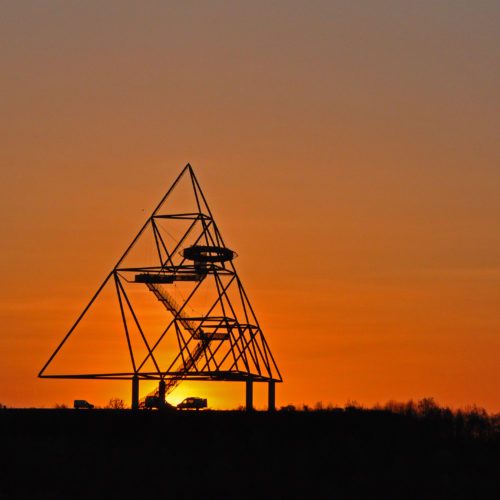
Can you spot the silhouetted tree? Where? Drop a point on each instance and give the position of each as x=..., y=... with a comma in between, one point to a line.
x=428, y=407
x=477, y=422
x=394, y=406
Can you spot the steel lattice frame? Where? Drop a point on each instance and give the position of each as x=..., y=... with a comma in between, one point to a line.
x=227, y=346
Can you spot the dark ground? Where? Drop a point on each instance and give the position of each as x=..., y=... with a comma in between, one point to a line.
x=322, y=454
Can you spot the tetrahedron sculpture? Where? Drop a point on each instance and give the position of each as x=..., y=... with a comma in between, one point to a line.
x=176, y=305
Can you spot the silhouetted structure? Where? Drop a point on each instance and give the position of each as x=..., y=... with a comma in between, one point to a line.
x=219, y=341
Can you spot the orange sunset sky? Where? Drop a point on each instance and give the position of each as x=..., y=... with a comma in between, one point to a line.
x=348, y=150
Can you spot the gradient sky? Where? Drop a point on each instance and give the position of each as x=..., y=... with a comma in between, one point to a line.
x=348, y=150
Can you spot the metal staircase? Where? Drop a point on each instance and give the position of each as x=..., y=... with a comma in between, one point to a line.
x=172, y=305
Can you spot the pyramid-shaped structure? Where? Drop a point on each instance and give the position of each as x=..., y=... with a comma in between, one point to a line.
x=173, y=308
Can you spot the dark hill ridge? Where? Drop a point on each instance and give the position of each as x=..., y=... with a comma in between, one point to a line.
x=350, y=453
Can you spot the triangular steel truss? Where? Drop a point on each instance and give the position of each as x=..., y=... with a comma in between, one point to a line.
x=223, y=341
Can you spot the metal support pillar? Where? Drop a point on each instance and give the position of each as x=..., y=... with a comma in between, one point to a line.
x=135, y=393
x=271, y=396
x=249, y=395
x=162, y=391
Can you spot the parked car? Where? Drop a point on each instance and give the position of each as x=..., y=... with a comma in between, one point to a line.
x=156, y=402
x=192, y=404
x=81, y=404
x=153, y=402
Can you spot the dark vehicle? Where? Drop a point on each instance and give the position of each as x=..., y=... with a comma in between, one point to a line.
x=153, y=402
x=156, y=402
x=81, y=404
x=192, y=404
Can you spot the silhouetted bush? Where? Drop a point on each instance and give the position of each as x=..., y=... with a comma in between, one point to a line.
x=116, y=404
x=288, y=408
x=352, y=405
